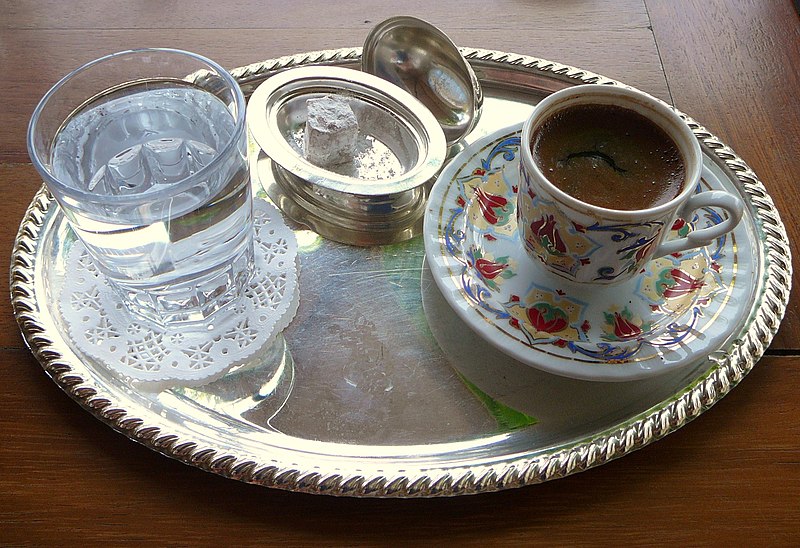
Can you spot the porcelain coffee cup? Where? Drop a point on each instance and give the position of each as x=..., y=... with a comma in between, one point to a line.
x=586, y=243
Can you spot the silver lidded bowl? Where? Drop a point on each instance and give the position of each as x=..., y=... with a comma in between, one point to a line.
x=421, y=59
x=378, y=197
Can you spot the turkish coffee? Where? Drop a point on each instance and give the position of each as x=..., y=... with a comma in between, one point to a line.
x=609, y=156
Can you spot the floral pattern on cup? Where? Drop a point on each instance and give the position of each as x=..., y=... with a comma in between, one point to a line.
x=546, y=238
x=666, y=302
x=568, y=246
x=624, y=239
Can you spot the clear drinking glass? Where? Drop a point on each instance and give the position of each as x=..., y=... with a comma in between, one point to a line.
x=146, y=153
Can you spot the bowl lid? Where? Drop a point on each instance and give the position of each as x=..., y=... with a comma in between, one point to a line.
x=421, y=59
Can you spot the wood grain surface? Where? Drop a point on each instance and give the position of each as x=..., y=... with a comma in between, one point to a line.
x=730, y=477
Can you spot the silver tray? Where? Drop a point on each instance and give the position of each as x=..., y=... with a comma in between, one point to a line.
x=376, y=389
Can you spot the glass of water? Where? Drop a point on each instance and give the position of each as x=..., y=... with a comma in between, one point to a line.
x=146, y=153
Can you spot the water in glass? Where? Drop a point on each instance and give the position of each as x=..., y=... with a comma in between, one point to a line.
x=176, y=258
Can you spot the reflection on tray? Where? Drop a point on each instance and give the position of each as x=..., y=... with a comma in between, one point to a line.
x=560, y=405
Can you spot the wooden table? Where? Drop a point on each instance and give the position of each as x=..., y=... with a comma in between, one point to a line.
x=733, y=476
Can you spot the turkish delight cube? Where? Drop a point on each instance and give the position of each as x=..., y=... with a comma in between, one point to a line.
x=331, y=131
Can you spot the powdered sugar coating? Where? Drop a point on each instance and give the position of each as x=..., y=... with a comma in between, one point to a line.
x=331, y=131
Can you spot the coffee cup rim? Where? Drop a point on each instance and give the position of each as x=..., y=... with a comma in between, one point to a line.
x=609, y=94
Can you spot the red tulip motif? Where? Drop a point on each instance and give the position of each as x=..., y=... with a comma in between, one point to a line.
x=684, y=284
x=547, y=319
x=624, y=328
x=644, y=250
x=492, y=206
x=489, y=269
x=545, y=229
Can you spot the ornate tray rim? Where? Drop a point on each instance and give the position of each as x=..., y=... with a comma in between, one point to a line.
x=460, y=478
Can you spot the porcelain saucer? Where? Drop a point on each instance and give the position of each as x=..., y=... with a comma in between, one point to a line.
x=679, y=310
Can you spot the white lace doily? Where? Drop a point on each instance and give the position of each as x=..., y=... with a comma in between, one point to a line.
x=154, y=357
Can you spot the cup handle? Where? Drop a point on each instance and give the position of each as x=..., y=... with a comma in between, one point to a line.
x=705, y=236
